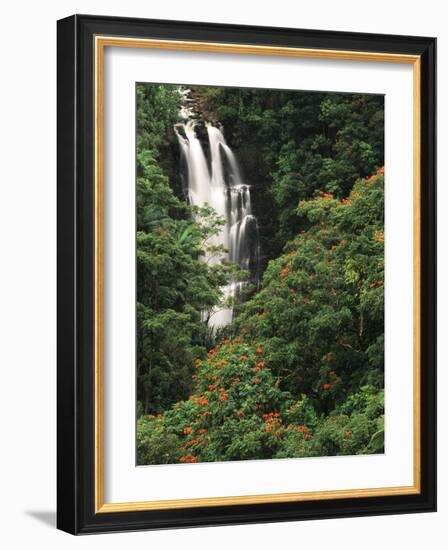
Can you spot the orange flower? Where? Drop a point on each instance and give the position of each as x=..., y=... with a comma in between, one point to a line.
x=308, y=437
x=240, y=412
x=348, y=433
x=212, y=387
x=151, y=417
x=244, y=357
x=223, y=397
x=188, y=431
x=202, y=431
x=278, y=433
x=226, y=342
x=326, y=386
x=201, y=401
x=380, y=283
x=189, y=458
x=302, y=429
x=221, y=390
x=197, y=363
x=256, y=369
x=256, y=380
x=259, y=350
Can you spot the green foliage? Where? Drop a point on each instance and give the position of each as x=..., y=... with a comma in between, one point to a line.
x=321, y=308
x=174, y=286
x=238, y=412
x=293, y=143
x=223, y=419
x=314, y=330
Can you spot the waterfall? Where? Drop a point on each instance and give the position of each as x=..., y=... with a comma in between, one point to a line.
x=218, y=183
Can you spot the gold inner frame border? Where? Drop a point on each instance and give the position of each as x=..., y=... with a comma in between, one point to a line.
x=100, y=43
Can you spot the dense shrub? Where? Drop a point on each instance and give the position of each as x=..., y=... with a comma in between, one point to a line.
x=321, y=307
x=238, y=412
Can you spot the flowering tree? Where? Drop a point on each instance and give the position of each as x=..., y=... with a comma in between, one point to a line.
x=304, y=378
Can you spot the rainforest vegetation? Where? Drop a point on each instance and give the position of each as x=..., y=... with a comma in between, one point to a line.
x=300, y=370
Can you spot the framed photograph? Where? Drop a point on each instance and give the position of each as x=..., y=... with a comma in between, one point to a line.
x=246, y=274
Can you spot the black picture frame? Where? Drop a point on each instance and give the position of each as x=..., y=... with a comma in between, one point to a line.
x=76, y=270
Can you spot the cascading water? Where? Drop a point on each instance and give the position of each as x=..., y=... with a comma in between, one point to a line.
x=221, y=187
